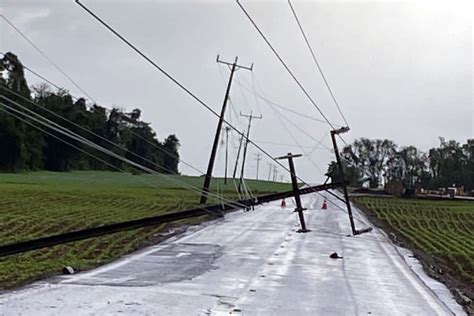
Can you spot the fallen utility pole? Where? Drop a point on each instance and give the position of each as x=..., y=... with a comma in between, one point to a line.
x=216, y=210
x=251, y=117
x=296, y=191
x=207, y=181
x=344, y=184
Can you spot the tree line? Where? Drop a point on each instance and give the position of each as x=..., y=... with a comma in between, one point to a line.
x=24, y=148
x=377, y=162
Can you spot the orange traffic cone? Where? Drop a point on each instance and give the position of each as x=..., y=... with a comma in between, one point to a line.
x=325, y=205
x=283, y=203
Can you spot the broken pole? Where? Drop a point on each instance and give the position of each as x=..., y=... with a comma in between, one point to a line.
x=296, y=190
x=341, y=172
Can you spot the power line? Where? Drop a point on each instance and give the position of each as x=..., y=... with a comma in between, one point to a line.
x=64, y=131
x=187, y=90
x=319, y=142
x=47, y=58
x=149, y=60
x=139, y=52
x=262, y=97
x=87, y=130
x=282, y=144
x=296, y=141
x=165, y=73
x=272, y=104
x=37, y=74
x=246, y=102
x=236, y=203
x=301, y=147
x=285, y=65
x=101, y=137
x=317, y=63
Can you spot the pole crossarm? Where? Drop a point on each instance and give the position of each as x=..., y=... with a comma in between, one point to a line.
x=216, y=210
x=232, y=64
x=289, y=155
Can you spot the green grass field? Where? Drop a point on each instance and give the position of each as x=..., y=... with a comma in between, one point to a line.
x=440, y=232
x=40, y=204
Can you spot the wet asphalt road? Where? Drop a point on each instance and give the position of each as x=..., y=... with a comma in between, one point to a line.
x=250, y=263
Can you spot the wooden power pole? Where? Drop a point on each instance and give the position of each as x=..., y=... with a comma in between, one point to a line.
x=227, y=129
x=344, y=183
x=207, y=181
x=270, y=166
x=296, y=190
x=258, y=158
x=251, y=117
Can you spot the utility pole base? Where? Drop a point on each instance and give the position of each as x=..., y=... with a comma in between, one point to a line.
x=303, y=230
x=363, y=231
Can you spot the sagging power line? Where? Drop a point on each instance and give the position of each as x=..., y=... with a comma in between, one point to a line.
x=175, y=81
x=187, y=90
x=39, y=119
x=290, y=72
x=47, y=57
x=318, y=66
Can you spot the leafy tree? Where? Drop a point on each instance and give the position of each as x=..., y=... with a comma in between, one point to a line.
x=414, y=166
x=22, y=145
x=371, y=156
x=449, y=164
x=171, y=156
x=352, y=174
x=25, y=148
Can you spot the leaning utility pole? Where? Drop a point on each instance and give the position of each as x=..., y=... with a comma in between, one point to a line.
x=296, y=190
x=344, y=184
x=238, y=155
x=251, y=117
x=270, y=166
x=258, y=158
x=227, y=129
x=207, y=180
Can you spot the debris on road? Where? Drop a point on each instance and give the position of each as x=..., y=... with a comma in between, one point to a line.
x=68, y=270
x=334, y=255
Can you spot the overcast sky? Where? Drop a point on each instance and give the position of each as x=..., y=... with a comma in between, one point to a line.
x=400, y=70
